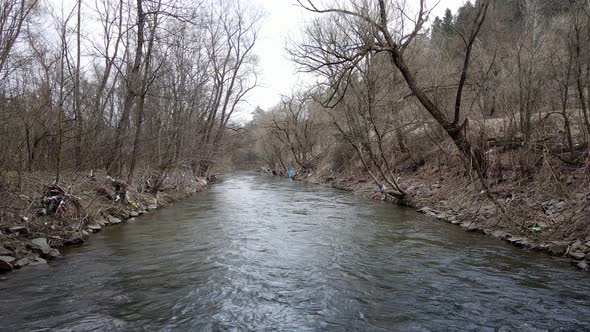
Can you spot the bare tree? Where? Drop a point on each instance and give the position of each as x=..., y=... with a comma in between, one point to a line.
x=382, y=27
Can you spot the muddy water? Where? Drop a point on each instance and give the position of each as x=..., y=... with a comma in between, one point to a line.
x=259, y=253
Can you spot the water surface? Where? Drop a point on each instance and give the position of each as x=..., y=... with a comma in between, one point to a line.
x=260, y=253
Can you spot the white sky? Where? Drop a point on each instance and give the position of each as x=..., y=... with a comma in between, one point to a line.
x=284, y=19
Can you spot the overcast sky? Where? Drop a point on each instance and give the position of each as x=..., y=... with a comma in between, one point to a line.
x=277, y=73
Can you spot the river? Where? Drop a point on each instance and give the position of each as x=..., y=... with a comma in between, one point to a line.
x=262, y=253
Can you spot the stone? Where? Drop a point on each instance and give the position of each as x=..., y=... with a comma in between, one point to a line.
x=113, y=220
x=53, y=253
x=75, y=240
x=152, y=207
x=18, y=230
x=472, y=228
x=38, y=261
x=427, y=210
x=442, y=216
x=518, y=241
x=465, y=225
x=22, y=262
x=578, y=255
x=5, y=252
x=133, y=214
x=499, y=234
x=40, y=246
x=557, y=248
x=6, y=263
x=140, y=212
x=583, y=265
x=101, y=222
x=131, y=220
x=94, y=228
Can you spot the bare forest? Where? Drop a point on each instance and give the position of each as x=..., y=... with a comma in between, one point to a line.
x=127, y=87
x=481, y=115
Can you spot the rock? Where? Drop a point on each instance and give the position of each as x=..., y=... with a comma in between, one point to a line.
x=53, y=253
x=518, y=241
x=442, y=216
x=133, y=214
x=424, y=210
x=85, y=233
x=6, y=263
x=74, y=240
x=38, y=261
x=101, y=222
x=152, y=207
x=578, y=246
x=113, y=220
x=577, y=254
x=583, y=265
x=472, y=228
x=499, y=234
x=557, y=248
x=131, y=220
x=5, y=252
x=140, y=212
x=18, y=230
x=94, y=228
x=40, y=246
x=22, y=262
x=465, y=225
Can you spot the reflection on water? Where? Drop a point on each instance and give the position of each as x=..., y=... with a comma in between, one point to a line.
x=257, y=253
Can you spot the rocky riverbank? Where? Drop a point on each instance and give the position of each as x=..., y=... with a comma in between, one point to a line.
x=549, y=215
x=38, y=219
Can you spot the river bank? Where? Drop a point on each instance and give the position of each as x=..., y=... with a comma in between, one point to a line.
x=38, y=218
x=548, y=213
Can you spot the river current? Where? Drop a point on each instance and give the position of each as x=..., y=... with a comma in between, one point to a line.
x=263, y=253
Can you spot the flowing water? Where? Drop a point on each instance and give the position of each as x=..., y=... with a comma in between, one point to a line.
x=259, y=253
